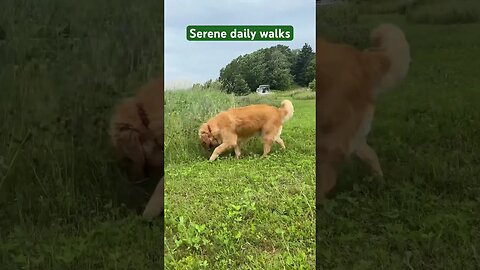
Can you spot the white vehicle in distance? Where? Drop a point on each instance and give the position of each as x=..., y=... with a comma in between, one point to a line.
x=263, y=89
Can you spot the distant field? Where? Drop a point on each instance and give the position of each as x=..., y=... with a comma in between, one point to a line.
x=426, y=135
x=250, y=213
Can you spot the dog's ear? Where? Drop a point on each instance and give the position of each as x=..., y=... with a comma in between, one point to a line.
x=205, y=134
x=154, y=156
x=130, y=148
x=206, y=138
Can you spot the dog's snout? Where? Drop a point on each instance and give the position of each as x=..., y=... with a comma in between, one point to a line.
x=206, y=146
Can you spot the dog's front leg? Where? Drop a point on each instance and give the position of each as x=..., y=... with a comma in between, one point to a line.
x=326, y=180
x=237, y=151
x=330, y=156
x=219, y=150
x=368, y=155
x=155, y=204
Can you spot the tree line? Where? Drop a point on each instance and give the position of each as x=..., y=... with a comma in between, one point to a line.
x=278, y=66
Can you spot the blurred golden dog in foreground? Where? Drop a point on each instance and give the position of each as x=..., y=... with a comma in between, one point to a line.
x=235, y=126
x=136, y=132
x=348, y=82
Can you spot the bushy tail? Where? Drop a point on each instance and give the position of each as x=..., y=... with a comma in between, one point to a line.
x=389, y=41
x=287, y=109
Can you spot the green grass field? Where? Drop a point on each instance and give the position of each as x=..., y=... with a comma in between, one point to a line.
x=427, y=137
x=250, y=213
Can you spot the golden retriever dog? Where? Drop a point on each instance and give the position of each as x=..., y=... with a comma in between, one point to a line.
x=231, y=128
x=136, y=132
x=348, y=83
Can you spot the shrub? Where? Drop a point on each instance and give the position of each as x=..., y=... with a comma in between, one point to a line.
x=256, y=99
x=240, y=86
x=212, y=84
x=313, y=85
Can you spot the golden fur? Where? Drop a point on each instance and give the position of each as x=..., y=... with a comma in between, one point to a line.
x=348, y=82
x=229, y=129
x=136, y=131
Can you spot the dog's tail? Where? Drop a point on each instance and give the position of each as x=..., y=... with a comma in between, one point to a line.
x=391, y=52
x=287, y=109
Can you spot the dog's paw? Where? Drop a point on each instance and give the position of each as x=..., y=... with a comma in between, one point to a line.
x=212, y=157
x=376, y=182
x=379, y=179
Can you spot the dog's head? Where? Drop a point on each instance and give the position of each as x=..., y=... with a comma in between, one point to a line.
x=142, y=157
x=206, y=137
x=142, y=160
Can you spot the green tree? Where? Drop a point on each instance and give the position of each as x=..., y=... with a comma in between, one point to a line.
x=302, y=62
x=228, y=73
x=240, y=86
x=265, y=66
x=311, y=70
x=278, y=70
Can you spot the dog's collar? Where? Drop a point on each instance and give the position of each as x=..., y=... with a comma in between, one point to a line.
x=210, y=144
x=143, y=115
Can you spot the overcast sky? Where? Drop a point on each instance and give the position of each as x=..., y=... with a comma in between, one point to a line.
x=188, y=62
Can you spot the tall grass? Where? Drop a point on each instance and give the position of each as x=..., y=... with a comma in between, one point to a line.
x=444, y=12
x=384, y=6
x=185, y=111
x=425, y=11
x=339, y=23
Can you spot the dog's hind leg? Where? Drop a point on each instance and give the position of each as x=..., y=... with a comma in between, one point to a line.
x=268, y=140
x=267, y=146
x=269, y=136
x=237, y=151
x=366, y=153
x=279, y=140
